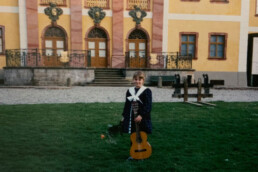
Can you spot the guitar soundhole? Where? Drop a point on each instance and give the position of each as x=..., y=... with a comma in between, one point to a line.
x=141, y=150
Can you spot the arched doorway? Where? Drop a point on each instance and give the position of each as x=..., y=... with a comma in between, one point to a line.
x=54, y=43
x=137, y=48
x=97, y=44
x=252, y=60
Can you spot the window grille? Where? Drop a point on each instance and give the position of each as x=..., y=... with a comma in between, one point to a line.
x=96, y=3
x=143, y=4
x=57, y=2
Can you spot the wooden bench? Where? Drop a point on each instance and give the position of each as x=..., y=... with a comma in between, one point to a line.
x=167, y=80
x=217, y=82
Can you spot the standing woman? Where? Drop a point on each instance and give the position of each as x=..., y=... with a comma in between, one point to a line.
x=143, y=96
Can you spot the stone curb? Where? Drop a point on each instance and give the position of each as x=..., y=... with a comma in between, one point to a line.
x=35, y=87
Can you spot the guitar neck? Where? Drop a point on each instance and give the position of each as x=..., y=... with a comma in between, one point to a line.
x=138, y=135
x=135, y=108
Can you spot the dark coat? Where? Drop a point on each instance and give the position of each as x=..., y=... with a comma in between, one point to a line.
x=144, y=111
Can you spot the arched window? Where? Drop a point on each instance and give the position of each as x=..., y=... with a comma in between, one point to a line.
x=97, y=33
x=137, y=34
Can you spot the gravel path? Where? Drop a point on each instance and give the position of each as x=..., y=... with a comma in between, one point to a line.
x=110, y=94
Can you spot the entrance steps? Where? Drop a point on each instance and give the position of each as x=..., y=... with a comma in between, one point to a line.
x=110, y=77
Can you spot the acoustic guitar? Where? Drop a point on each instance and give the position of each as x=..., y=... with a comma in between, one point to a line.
x=140, y=149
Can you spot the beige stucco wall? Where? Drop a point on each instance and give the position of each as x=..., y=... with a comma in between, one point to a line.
x=10, y=21
x=253, y=19
x=205, y=7
x=9, y=3
x=204, y=28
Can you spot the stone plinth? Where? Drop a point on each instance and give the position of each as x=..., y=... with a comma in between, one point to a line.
x=48, y=76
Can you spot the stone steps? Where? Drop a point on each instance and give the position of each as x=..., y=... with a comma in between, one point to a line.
x=110, y=77
x=109, y=85
x=113, y=77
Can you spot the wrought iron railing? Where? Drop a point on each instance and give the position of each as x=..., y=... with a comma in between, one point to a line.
x=175, y=60
x=162, y=60
x=47, y=58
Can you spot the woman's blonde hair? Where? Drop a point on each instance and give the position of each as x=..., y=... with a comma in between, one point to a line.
x=139, y=75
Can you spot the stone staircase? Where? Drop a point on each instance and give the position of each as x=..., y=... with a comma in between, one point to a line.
x=110, y=77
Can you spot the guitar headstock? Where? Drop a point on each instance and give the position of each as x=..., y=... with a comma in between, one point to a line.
x=135, y=107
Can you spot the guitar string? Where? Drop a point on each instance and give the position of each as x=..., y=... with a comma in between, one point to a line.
x=130, y=121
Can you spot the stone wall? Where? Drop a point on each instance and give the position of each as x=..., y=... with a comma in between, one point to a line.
x=48, y=76
x=158, y=72
x=1, y=76
x=231, y=79
x=235, y=79
x=18, y=76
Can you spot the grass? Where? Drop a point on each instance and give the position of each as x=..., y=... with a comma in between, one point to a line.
x=66, y=137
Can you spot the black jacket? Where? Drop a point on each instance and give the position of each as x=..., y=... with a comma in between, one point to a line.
x=144, y=111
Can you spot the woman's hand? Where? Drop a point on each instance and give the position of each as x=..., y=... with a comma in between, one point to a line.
x=138, y=119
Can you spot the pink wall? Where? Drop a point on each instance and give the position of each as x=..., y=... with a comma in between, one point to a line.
x=32, y=23
x=118, y=58
x=157, y=27
x=76, y=24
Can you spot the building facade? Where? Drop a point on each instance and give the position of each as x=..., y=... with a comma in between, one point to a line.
x=220, y=35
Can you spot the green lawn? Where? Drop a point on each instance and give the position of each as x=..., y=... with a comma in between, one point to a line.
x=66, y=137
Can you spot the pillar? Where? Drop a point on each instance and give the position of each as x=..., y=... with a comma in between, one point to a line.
x=157, y=25
x=32, y=23
x=118, y=57
x=76, y=24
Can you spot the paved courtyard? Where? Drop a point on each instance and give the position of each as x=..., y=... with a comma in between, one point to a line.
x=42, y=95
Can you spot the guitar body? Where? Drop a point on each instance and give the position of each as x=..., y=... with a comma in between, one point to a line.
x=140, y=149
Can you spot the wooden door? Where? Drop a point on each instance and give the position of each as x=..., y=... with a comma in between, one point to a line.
x=252, y=60
x=98, y=48
x=137, y=53
x=53, y=48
